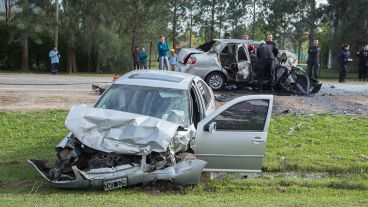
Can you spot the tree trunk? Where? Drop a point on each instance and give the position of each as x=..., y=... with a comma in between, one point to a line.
x=254, y=20
x=71, y=60
x=212, y=19
x=174, y=24
x=312, y=20
x=7, y=10
x=134, y=31
x=190, y=29
x=24, y=40
x=25, y=58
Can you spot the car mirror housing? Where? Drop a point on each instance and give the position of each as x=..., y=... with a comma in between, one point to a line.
x=211, y=128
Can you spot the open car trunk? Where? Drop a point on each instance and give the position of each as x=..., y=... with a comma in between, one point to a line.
x=112, y=149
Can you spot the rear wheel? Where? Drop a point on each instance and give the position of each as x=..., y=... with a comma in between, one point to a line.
x=216, y=80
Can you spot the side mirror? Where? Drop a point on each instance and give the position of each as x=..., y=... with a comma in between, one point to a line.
x=211, y=128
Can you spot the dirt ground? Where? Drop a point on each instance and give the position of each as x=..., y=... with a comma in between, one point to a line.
x=31, y=92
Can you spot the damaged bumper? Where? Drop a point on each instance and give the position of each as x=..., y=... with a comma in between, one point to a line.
x=182, y=173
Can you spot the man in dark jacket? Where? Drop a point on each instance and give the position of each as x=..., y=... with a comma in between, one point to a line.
x=266, y=60
x=313, y=59
x=363, y=63
x=135, y=56
x=344, y=59
x=269, y=41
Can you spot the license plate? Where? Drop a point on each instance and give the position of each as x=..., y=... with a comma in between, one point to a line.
x=114, y=184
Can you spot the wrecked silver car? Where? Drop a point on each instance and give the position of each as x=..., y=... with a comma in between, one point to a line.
x=223, y=61
x=158, y=125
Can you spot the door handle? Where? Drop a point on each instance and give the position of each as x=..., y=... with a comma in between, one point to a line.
x=258, y=140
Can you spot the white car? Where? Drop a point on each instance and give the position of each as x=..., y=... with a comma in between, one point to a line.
x=158, y=125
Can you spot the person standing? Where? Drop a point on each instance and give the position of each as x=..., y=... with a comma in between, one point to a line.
x=135, y=56
x=227, y=35
x=269, y=41
x=54, y=56
x=163, y=48
x=266, y=60
x=363, y=63
x=313, y=59
x=345, y=58
x=245, y=37
x=172, y=60
x=143, y=58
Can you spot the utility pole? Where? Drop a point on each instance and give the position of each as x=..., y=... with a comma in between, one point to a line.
x=57, y=24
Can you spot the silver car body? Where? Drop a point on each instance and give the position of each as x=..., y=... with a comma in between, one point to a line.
x=236, y=145
x=209, y=59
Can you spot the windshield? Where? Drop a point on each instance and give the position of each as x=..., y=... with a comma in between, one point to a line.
x=168, y=104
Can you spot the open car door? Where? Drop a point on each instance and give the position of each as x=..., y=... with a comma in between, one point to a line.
x=233, y=138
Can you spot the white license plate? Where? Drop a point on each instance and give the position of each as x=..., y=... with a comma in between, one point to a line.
x=114, y=184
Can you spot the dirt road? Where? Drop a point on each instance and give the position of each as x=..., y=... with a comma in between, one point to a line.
x=29, y=92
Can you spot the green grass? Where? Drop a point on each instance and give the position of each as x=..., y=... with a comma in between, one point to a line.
x=335, y=147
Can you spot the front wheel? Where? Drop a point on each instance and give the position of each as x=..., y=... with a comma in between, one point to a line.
x=216, y=81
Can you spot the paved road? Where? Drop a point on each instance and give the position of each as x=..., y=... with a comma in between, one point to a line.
x=45, y=82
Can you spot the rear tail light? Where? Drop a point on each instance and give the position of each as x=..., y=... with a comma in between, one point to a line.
x=192, y=60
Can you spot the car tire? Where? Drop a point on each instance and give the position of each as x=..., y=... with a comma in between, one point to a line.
x=186, y=156
x=216, y=81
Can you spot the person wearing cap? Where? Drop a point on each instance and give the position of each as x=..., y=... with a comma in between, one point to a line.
x=172, y=59
x=266, y=60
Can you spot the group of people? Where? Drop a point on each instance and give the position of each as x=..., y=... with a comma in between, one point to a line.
x=140, y=58
x=166, y=61
x=345, y=58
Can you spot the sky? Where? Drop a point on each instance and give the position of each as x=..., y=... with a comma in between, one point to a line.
x=321, y=2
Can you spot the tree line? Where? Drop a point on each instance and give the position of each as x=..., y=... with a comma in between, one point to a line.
x=94, y=36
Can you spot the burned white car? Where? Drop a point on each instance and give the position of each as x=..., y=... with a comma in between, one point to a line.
x=158, y=125
x=222, y=61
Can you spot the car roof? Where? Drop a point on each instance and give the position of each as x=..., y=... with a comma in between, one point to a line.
x=237, y=41
x=157, y=78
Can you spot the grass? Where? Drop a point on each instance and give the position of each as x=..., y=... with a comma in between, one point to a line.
x=335, y=148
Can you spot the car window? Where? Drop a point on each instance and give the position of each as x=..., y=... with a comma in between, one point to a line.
x=208, y=45
x=247, y=115
x=163, y=103
x=204, y=92
x=242, y=55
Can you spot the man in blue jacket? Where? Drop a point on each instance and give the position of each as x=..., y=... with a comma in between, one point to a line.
x=143, y=58
x=163, y=48
x=54, y=57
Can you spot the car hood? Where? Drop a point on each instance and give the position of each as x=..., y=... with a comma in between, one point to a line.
x=120, y=132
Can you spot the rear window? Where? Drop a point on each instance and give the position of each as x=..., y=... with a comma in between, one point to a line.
x=208, y=45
